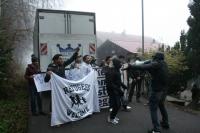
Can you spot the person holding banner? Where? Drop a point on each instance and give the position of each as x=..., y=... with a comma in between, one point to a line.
x=34, y=95
x=114, y=84
x=58, y=65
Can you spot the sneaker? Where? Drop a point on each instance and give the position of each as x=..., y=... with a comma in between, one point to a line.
x=153, y=131
x=128, y=107
x=116, y=118
x=113, y=121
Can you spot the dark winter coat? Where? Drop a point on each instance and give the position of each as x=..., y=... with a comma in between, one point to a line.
x=113, y=80
x=159, y=73
x=31, y=70
x=59, y=69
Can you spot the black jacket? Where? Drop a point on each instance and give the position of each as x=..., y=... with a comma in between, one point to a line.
x=113, y=79
x=159, y=73
x=59, y=69
x=113, y=82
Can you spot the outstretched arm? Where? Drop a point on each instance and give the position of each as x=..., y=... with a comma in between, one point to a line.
x=72, y=58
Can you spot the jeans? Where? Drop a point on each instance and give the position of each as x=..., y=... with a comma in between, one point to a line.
x=156, y=100
x=138, y=85
x=35, y=99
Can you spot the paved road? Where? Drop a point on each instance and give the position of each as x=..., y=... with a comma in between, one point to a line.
x=136, y=121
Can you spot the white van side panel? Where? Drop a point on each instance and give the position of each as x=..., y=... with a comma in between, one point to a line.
x=53, y=23
x=82, y=24
x=65, y=45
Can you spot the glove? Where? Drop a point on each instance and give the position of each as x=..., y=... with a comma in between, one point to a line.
x=77, y=49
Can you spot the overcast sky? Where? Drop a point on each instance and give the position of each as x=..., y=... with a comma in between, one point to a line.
x=163, y=19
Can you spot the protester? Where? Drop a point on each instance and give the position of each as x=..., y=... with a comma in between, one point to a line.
x=35, y=98
x=107, y=64
x=85, y=65
x=93, y=62
x=102, y=64
x=114, y=84
x=58, y=65
x=136, y=76
x=159, y=74
x=77, y=62
x=124, y=98
x=75, y=73
x=105, y=70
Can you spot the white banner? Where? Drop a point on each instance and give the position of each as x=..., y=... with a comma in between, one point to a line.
x=40, y=84
x=73, y=100
x=102, y=91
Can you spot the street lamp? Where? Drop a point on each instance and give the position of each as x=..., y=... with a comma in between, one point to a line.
x=142, y=27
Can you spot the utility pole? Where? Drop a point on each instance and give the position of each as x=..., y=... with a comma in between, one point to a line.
x=142, y=3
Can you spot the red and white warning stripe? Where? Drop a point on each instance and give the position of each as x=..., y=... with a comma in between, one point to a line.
x=43, y=49
x=92, y=48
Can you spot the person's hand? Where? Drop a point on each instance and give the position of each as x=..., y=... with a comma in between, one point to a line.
x=77, y=49
x=126, y=67
x=49, y=72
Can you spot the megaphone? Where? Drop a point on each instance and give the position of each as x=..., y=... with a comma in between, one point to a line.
x=137, y=62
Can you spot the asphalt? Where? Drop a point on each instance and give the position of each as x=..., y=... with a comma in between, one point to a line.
x=136, y=121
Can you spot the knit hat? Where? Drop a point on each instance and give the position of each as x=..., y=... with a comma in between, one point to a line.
x=34, y=58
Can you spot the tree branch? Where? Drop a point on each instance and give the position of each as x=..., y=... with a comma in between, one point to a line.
x=3, y=2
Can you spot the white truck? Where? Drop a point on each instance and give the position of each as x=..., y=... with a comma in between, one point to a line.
x=61, y=32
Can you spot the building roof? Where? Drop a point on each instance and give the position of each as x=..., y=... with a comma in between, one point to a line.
x=129, y=42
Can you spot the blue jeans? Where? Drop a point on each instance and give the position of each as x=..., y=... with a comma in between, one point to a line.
x=35, y=99
x=156, y=100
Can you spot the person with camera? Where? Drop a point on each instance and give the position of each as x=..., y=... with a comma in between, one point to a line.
x=159, y=76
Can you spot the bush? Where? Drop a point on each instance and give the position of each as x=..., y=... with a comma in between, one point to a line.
x=14, y=109
x=13, y=96
x=14, y=114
